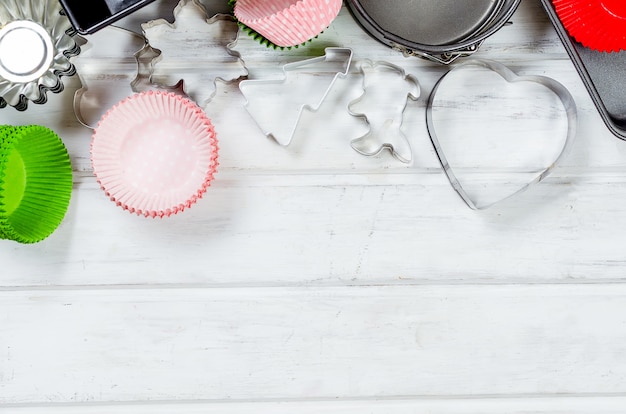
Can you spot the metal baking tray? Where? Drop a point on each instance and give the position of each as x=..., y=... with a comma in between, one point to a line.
x=602, y=73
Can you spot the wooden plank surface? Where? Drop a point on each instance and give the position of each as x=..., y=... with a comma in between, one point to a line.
x=106, y=345
x=313, y=279
x=522, y=405
x=405, y=229
x=317, y=211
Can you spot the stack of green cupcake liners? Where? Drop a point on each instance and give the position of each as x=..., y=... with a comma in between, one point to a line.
x=35, y=182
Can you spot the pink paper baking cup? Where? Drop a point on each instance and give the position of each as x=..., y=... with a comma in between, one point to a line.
x=154, y=153
x=287, y=23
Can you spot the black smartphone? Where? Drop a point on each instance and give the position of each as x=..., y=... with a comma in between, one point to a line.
x=90, y=16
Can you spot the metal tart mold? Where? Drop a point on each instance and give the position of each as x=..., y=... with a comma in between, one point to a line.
x=41, y=28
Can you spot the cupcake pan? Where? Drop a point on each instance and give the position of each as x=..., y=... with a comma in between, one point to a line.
x=602, y=73
x=440, y=30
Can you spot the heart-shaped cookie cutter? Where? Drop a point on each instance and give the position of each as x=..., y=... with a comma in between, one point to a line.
x=555, y=87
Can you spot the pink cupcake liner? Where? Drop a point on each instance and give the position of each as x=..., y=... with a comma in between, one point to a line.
x=596, y=24
x=154, y=153
x=287, y=23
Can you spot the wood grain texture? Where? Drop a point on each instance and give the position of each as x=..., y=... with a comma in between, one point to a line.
x=296, y=343
x=353, y=229
x=318, y=212
x=313, y=279
x=522, y=405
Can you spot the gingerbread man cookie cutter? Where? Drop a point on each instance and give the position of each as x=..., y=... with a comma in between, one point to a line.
x=387, y=89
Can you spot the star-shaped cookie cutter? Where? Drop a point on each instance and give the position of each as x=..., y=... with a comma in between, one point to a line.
x=334, y=55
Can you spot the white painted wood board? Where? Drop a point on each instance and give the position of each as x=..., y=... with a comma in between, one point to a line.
x=104, y=345
x=312, y=279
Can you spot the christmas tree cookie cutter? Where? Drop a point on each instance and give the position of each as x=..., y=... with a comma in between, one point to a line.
x=387, y=89
x=304, y=86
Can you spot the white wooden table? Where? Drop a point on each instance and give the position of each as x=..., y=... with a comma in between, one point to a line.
x=312, y=279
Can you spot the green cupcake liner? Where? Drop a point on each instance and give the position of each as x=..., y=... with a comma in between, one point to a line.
x=5, y=132
x=259, y=37
x=35, y=183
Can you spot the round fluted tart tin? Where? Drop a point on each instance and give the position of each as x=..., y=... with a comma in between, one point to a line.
x=37, y=42
x=26, y=51
x=440, y=30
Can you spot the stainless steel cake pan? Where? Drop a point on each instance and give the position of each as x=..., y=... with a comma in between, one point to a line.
x=439, y=30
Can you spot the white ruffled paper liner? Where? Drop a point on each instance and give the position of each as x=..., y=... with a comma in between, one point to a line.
x=287, y=23
x=155, y=153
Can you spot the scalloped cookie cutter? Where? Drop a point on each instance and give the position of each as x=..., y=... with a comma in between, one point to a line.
x=99, y=71
x=387, y=89
x=569, y=107
x=299, y=92
x=212, y=40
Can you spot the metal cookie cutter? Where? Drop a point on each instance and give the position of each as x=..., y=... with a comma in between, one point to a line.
x=107, y=74
x=196, y=49
x=542, y=108
x=387, y=89
x=277, y=105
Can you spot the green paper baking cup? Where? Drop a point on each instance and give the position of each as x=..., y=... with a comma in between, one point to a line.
x=35, y=183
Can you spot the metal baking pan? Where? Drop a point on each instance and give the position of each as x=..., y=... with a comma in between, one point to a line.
x=602, y=73
x=440, y=30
